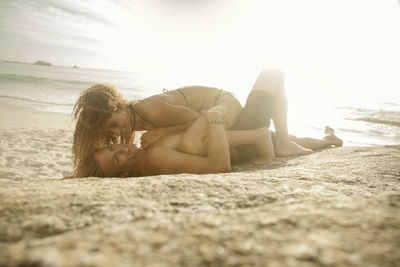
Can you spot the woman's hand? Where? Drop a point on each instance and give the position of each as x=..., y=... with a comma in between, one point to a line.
x=219, y=109
x=212, y=115
x=222, y=111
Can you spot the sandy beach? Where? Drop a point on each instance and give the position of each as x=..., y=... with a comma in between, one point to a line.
x=336, y=207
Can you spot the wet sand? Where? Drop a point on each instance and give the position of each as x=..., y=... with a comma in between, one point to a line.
x=336, y=207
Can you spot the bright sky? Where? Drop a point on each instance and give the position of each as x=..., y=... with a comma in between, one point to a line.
x=347, y=46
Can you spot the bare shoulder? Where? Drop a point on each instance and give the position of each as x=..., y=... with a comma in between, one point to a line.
x=200, y=97
x=154, y=106
x=153, y=100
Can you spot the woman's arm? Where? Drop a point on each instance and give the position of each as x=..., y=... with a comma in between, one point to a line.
x=163, y=114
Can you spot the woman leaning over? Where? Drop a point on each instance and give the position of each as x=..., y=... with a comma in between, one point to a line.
x=103, y=117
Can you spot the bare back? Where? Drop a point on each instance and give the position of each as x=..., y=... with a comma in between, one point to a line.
x=195, y=97
x=158, y=108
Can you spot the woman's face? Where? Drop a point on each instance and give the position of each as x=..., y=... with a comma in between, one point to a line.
x=116, y=160
x=118, y=125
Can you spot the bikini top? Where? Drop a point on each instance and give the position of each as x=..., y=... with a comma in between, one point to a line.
x=133, y=111
x=220, y=94
x=179, y=91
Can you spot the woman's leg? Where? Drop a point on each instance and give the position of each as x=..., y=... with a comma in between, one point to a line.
x=329, y=140
x=267, y=100
x=258, y=138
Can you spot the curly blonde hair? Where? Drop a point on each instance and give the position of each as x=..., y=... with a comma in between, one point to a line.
x=93, y=108
x=90, y=167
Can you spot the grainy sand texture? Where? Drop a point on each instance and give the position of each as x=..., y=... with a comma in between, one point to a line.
x=337, y=207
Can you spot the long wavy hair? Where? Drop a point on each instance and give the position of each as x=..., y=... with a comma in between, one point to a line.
x=93, y=108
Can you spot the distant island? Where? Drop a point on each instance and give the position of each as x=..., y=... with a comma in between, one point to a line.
x=39, y=62
x=15, y=62
x=43, y=63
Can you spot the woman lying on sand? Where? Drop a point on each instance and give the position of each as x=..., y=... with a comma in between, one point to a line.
x=103, y=115
x=163, y=157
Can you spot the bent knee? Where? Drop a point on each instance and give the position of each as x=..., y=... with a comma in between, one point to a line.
x=272, y=156
x=272, y=74
x=270, y=80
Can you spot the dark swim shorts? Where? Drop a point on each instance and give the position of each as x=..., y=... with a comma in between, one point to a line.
x=256, y=113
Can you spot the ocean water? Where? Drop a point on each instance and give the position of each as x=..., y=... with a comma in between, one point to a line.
x=55, y=89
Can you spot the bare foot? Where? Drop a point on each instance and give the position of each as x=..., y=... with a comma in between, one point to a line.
x=329, y=130
x=289, y=148
x=331, y=138
x=265, y=147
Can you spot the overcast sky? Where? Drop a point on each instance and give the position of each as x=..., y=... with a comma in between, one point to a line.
x=354, y=40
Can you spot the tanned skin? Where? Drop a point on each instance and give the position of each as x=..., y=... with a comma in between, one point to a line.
x=127, y=160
